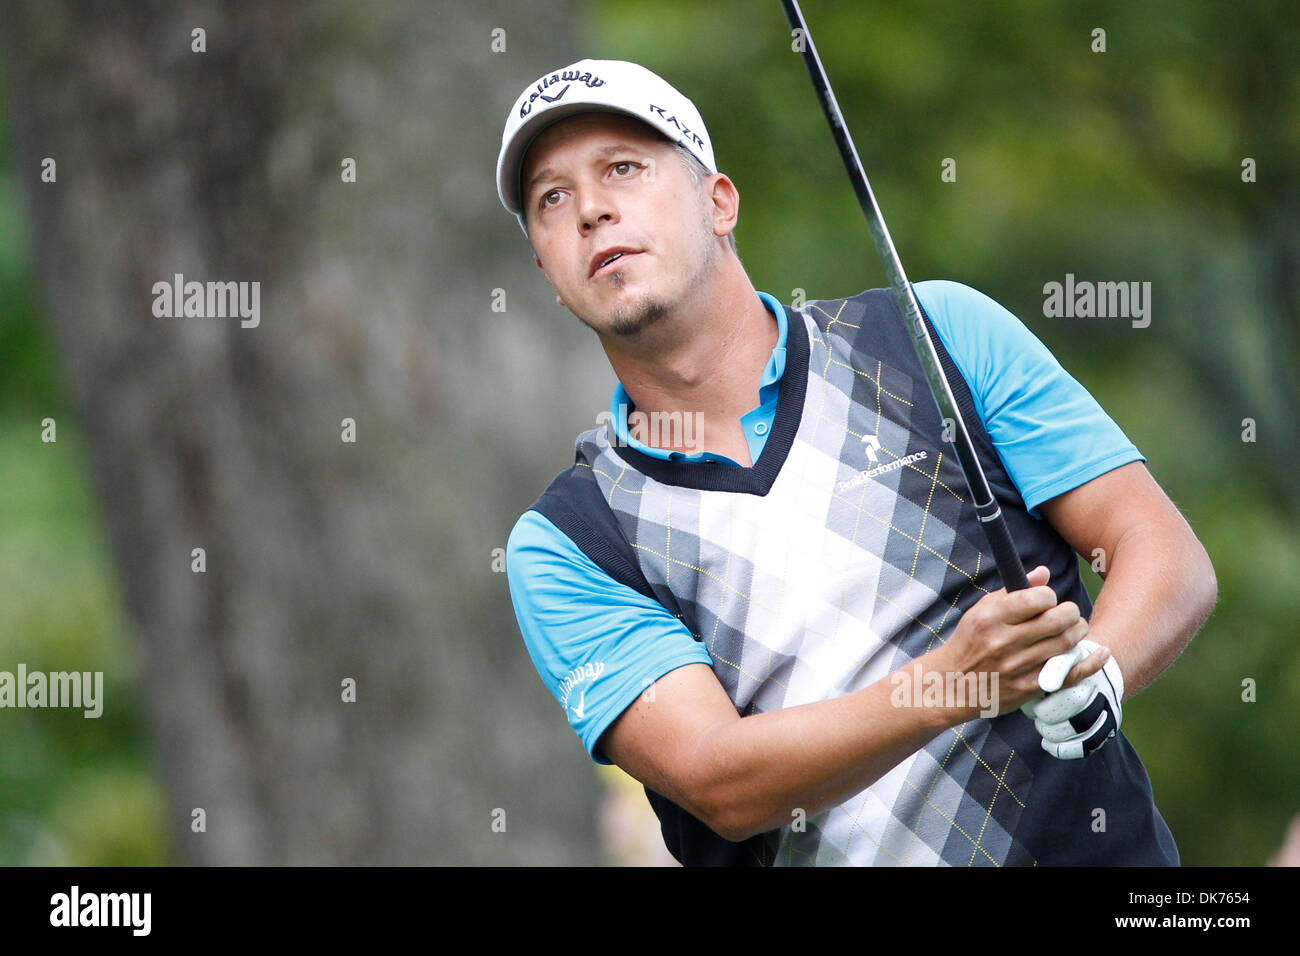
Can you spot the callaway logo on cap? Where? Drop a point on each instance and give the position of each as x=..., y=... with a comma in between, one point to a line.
x=611, y=86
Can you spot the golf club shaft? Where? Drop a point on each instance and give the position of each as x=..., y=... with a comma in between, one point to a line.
x=986, y=506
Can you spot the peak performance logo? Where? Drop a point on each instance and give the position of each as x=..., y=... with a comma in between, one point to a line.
x=872, y=444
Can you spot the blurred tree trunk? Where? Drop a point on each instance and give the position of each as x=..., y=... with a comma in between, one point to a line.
x=326, y=560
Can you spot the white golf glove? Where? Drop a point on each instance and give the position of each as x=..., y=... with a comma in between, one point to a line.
x=1080, y=719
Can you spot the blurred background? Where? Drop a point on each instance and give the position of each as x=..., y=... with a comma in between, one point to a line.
x=407, y=302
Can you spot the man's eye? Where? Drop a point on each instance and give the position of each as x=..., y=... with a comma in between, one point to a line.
x=553, y=194
x=623, y=168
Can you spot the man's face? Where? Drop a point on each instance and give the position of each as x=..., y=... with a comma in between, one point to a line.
x=597, y=184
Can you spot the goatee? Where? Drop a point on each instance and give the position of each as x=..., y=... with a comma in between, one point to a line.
x=634, y=319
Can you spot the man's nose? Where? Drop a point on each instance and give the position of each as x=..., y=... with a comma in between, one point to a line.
x=596, y=206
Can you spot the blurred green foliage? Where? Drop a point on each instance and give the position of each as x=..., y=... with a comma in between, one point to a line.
x=73, y=790
x=1123, y=165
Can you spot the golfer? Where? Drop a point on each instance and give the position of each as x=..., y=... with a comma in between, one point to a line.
x=762, y=589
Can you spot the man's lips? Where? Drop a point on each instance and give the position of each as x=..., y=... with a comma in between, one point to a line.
x=601, y=262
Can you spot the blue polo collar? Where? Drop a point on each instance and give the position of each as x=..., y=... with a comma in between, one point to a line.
x=757, y=422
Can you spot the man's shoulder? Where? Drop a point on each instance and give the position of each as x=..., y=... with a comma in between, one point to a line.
x=571, y=492
x=952, y=304
x=949, y=291
x=946, y=297
x=572, y=517
x=560, y=523
x=831, y=310
x=574, y=488
x=968, y=322
x=870, y=320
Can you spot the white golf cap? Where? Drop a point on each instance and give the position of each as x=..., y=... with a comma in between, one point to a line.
x=595, y=86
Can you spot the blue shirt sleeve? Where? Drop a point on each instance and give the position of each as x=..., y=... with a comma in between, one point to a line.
x=596, y=643
x=1048, y=430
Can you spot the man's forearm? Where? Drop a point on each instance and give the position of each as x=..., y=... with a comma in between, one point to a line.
x=748, y=775
x=1159, y=589
x=812, y=757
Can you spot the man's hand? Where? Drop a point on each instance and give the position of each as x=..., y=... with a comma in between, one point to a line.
x=746, y=775
x=1012, y=635
x=1075, y=721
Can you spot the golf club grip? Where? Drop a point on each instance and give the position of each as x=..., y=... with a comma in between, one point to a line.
x=1005, y=554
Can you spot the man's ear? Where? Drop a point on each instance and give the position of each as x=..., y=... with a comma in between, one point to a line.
x=726, y=203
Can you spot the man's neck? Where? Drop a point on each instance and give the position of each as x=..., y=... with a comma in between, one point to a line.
x=707, y=357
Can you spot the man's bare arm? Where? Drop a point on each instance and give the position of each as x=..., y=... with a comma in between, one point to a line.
x=1159, y=583
x=743, y=776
